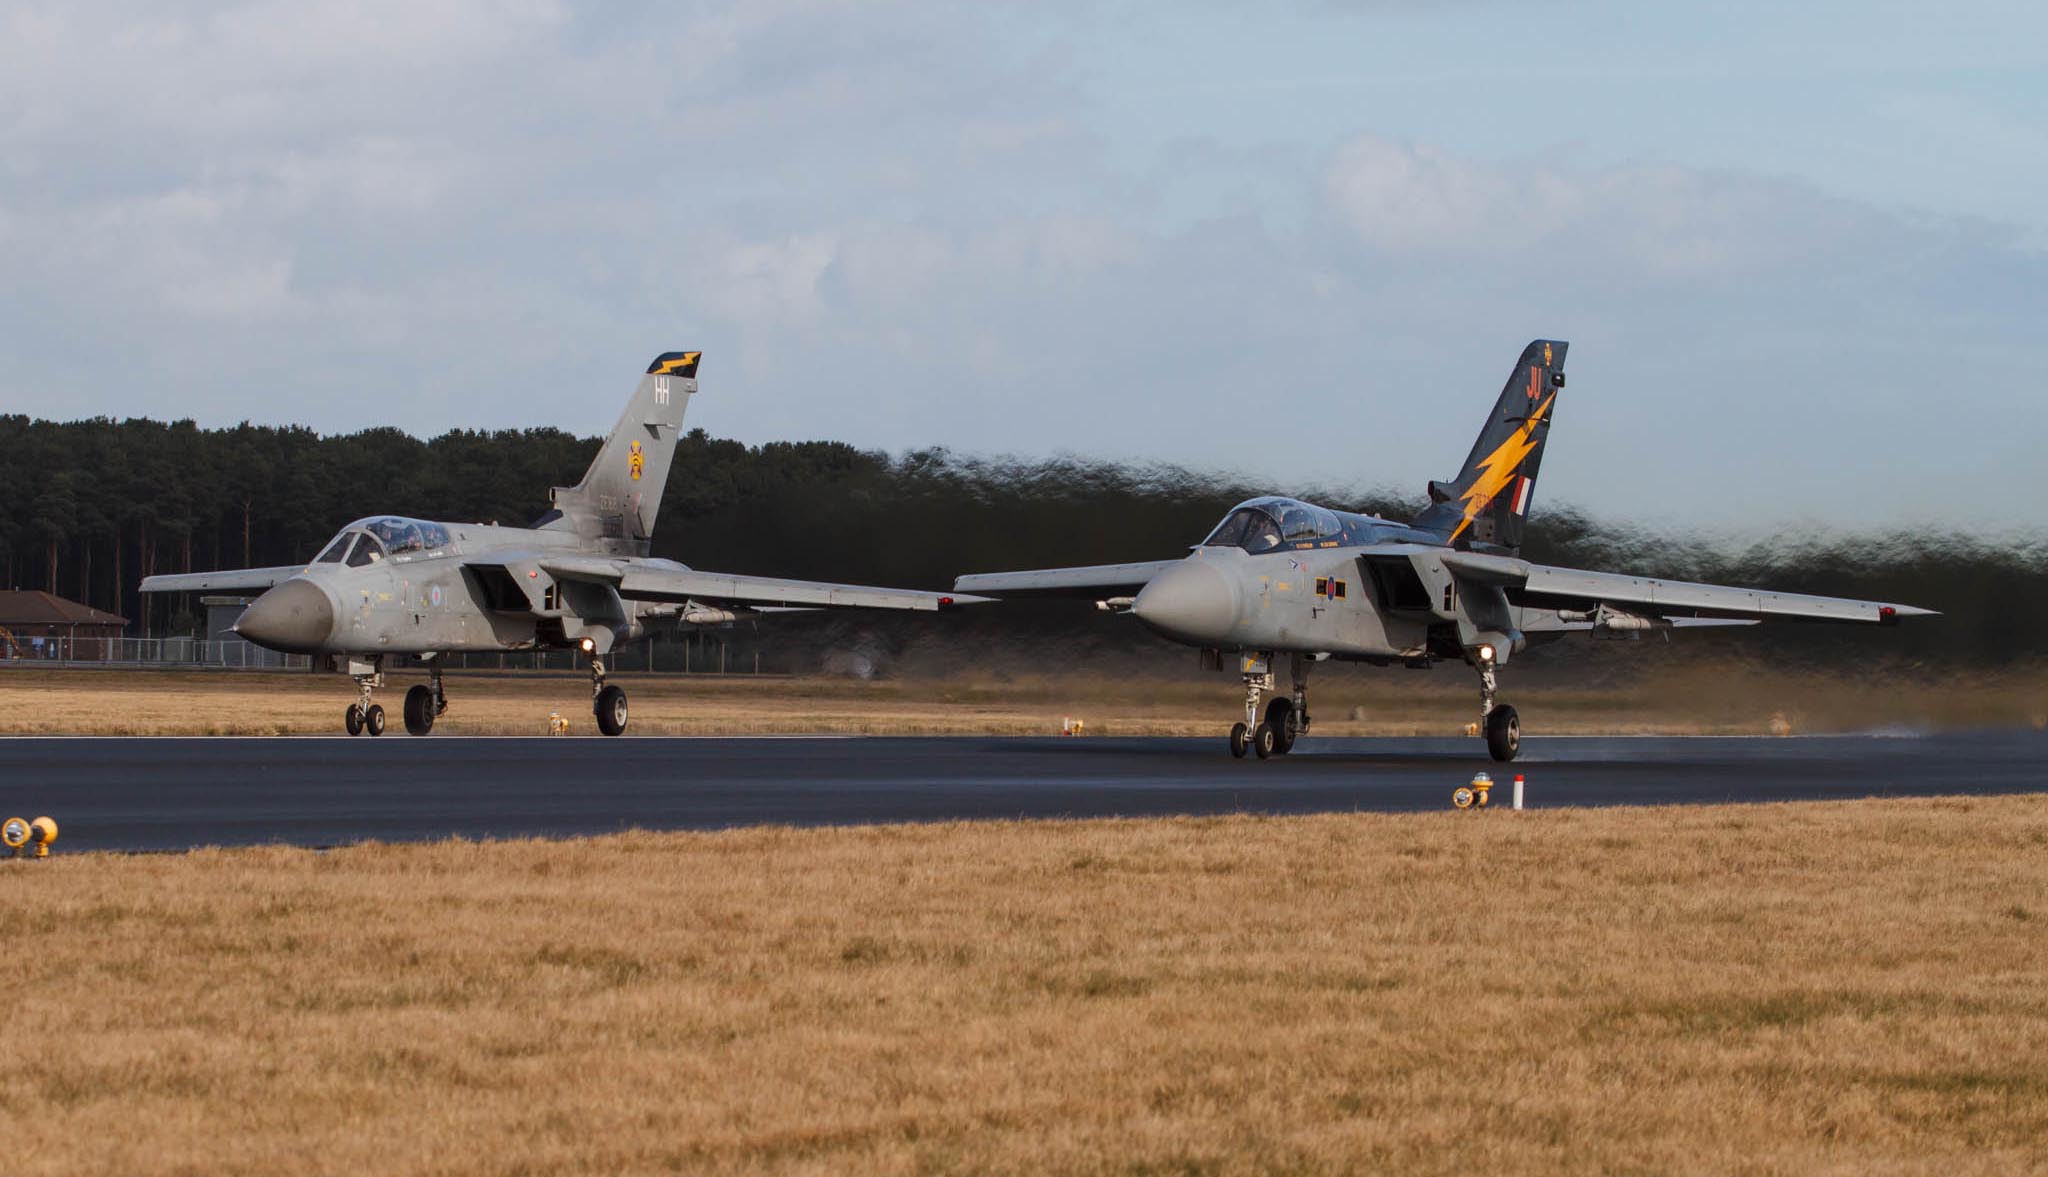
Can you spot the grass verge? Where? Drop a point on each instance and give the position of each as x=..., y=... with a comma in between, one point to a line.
x=1823, y=988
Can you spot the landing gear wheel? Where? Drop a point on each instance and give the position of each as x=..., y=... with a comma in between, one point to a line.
x=373, y=719
x=419, y=710
x=1240, y=740
x=611, y=710
x=353, y=719
x=1280, y=717
x=1263, y=740
x=1503, y=733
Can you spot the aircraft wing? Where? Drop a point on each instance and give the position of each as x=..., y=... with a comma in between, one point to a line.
x=639, y=579
x=231, y=580
x=1100, y=580
x=1538, y=584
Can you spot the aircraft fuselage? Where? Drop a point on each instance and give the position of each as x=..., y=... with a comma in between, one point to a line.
x=483, y=590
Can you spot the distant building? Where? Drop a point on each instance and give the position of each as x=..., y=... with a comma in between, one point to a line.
x=41, y=625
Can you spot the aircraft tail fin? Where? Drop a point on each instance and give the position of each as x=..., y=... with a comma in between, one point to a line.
x=620, y=494
x=1486, y=505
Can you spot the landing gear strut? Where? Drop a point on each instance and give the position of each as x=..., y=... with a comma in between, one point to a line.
x=1502, y=726
x=425, y=704
x=1252, y=734
x=608, y=702
x=1284, y=719
x=363, y=715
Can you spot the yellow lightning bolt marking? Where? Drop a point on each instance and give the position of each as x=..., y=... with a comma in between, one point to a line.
x=1498, y=468
x=671, y=366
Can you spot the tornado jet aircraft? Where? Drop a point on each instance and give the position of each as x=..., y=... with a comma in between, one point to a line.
x=579, y=578
x=1281, y=576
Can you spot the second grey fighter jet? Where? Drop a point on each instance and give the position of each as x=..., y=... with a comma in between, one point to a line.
x=579, y=578
x=1281, y=576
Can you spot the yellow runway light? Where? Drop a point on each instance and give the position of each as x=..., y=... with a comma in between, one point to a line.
x=17, y=834
x=1475, y=794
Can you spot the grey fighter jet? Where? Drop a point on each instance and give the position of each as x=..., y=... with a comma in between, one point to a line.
x=1281, y=576
x=579, y=578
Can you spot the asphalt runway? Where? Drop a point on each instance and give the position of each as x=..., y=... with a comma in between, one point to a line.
x=172, y=794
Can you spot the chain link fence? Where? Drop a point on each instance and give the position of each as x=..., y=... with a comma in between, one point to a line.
x=695, y=654
x=194, y=652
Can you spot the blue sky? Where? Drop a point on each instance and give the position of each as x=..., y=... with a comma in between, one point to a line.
x=1798, y=249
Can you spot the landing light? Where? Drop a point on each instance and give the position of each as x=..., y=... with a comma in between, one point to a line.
x=1485, y=653
x=589, y=645
x=19, y=835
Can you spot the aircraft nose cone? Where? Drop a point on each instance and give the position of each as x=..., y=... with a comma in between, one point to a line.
x=1192, y=601
x=295, y=617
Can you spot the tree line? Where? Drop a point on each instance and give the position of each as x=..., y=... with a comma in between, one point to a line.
x=91, y=507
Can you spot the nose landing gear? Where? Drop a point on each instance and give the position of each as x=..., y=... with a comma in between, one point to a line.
x=1253, y=734
x=1285, y=718
x=363, y=715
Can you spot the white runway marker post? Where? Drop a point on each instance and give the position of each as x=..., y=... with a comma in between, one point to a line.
x=1518, y=790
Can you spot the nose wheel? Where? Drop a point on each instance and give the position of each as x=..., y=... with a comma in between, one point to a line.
x=365, y=715
x=360, y=719
x=1270, y=732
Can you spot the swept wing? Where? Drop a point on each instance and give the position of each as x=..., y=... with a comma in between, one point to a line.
x=231, y=580
x=1546, y=586
x=1099, y=580
x=648, y=579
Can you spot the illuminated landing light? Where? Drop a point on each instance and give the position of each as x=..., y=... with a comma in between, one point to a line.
x=1485, y=652
x=589, y=645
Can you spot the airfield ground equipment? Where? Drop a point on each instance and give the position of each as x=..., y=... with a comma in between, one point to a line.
x=1476, y=795
x=28, y=839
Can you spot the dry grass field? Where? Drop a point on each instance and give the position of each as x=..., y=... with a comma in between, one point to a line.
x=1688, y=697
x=1814, y=989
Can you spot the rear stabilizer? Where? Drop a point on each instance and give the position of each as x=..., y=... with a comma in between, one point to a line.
x=1486, y=505
x=620, y=494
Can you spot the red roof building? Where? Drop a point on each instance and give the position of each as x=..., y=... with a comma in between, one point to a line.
x=30, y=619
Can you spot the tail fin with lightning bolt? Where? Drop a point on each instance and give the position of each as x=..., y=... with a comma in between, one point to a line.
x=1485, y=506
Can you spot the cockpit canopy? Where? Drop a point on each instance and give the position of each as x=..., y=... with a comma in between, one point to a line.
x=367, y=541
x=1264, y=524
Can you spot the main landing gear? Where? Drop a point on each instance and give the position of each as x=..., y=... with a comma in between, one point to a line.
x=608, y=702
x=1502, y=726
x=424, y=704
x=1286, y=716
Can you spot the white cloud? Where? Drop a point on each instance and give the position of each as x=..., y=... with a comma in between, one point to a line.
x=1644, y=223
x=901, y=225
